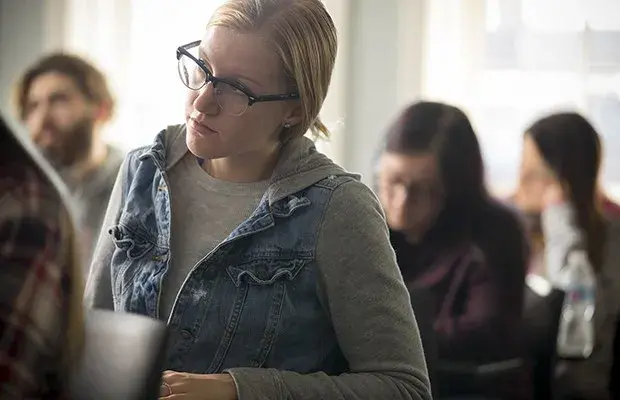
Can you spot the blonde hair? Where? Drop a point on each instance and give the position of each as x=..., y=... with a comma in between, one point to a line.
x=305, y=38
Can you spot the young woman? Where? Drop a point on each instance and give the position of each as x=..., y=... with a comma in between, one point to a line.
x=271, y=264
x=558, y=191
x=464, y=250
x=41, y=321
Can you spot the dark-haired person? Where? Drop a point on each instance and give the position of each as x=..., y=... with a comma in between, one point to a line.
x=457, y=244
x=559, y=194
x=65, y=101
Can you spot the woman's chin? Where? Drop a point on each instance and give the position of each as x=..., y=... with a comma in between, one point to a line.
x=202, y=147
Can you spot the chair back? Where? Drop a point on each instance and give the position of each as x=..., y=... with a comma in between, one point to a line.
x=542, y=311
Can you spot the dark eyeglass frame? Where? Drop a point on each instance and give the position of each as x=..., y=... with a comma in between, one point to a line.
x=414, y=191
x=209, y=77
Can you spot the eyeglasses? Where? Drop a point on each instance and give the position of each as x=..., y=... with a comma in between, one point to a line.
x=417, y=193
x=232, y=97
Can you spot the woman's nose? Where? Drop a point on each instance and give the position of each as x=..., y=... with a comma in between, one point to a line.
x=206, y=100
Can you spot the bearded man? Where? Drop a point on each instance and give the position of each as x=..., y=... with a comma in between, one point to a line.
x=65, y=101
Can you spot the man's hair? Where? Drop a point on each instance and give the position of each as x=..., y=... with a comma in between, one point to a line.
x=90, y=81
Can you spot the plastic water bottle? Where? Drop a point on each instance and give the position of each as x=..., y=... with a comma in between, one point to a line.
x=576, y=330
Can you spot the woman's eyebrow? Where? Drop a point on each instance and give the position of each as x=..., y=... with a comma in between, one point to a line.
x=202, y=54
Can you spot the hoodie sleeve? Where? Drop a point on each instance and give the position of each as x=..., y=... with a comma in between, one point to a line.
x=98, y=291
x=362, y=289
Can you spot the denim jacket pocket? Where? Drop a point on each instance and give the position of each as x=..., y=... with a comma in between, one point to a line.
x=263, y=272
x=261, y=287
x=132, y=249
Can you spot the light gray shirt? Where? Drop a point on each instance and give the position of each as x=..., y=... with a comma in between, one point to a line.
x=204, y=212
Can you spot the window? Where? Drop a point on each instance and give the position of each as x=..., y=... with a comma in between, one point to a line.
x=155, y=97
x=542, y=55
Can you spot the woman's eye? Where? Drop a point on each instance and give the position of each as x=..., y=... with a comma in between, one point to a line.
x=238, y=91
x=233, y=90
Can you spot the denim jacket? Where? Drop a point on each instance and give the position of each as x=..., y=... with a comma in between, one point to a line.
x=268, y=303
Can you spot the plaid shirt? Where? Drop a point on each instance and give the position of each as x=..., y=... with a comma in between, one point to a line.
x=34, y=279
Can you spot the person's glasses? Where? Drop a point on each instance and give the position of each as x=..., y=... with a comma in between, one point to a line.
x=232, y=97
x=417, y=193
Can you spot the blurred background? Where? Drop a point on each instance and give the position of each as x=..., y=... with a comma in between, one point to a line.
x=504, y=62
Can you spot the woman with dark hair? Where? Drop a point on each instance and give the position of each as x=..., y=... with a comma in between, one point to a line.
x=558, y=192
x=455, y=243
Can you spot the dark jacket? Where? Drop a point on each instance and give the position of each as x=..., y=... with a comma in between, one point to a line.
x=476, y=284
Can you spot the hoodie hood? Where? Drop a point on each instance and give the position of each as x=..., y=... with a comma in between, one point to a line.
x=299, y=166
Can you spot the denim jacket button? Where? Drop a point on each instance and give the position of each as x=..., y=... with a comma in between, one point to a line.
x=185, y=334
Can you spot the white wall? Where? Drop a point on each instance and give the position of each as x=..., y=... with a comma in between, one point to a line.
x=18, y=46
x=28, y=28
x=383, y=72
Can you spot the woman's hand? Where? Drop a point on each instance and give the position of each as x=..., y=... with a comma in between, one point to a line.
x=184, y=386
x=537, y=191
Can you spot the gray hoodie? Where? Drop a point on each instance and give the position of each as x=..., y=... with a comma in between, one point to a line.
x=89, y=198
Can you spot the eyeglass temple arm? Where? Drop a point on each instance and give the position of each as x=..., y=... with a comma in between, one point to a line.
x=190, y=45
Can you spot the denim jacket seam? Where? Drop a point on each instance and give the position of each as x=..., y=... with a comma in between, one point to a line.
x=319, y=233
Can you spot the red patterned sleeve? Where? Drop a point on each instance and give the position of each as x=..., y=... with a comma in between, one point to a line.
x=33, y=279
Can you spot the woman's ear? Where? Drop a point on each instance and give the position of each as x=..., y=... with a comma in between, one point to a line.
x=294, y=115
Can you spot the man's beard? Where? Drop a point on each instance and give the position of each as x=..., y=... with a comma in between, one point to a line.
x=74, y=144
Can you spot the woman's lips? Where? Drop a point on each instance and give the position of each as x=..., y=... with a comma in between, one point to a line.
x=200, y=128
